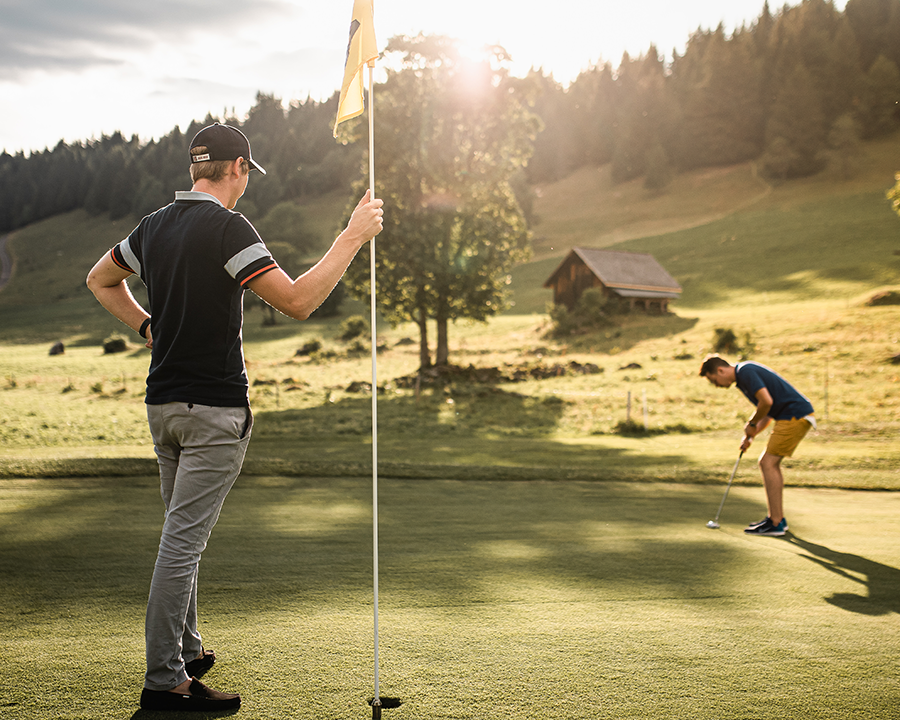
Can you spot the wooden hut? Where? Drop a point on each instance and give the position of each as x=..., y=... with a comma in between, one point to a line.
x=635, y=277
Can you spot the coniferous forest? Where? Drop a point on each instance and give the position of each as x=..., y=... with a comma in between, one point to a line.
x=795, y=91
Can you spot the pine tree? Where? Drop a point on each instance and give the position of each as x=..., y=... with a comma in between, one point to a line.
x=642, y=113
x=871, y=20
x=795, y=132
x=556, y=149
x=592, y=96
x=844, y=142
x=719, y=86
x=880, y=105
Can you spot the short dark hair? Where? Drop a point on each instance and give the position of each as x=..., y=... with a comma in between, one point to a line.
x=712, y=363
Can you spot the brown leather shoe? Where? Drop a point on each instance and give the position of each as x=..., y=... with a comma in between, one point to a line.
x=197, y=667
x=201, y=698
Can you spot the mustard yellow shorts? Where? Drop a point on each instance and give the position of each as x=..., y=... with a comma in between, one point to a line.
x=786, y=436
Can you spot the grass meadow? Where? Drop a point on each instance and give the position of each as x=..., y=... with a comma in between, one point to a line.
x=543, y=542
x=77, y=412
x=498, y=600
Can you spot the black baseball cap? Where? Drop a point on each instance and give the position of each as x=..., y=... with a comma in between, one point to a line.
x=223, y=142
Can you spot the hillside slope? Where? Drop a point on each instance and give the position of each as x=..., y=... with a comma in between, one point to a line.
x=725, y=234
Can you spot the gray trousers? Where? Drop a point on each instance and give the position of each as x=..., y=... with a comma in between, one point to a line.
x=200, y=450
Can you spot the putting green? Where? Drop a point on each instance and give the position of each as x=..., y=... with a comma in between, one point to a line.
x=498, y=600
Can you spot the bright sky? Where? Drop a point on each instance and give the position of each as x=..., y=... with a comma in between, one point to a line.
x=77, y=69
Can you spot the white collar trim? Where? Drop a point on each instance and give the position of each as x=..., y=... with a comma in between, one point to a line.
x=196, y=195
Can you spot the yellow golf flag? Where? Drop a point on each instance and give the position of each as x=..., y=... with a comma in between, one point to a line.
x=361, y=49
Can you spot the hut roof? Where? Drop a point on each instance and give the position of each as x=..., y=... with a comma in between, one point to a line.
x=629, y=274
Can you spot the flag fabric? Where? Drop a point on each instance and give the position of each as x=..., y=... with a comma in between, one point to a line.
x=362, y=48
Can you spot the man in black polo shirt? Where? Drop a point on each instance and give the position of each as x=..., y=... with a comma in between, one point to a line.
x=196, y=256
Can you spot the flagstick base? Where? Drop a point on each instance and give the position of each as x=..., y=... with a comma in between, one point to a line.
x=383, y=703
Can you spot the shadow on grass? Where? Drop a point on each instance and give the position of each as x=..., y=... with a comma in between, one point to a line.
x=458, y=544
x=882, y=582
x=159, y=715
x=74, y=549
x=457, y=407
x=462, y=431
x=634, y=328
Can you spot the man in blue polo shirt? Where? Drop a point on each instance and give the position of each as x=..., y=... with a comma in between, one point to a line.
x=775, y=399
x=197, y=256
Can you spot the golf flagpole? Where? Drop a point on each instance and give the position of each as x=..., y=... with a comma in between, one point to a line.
x=362, y=50
x=372, y=318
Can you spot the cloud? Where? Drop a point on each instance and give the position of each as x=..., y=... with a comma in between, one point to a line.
x=75, y=35
x=297, y=73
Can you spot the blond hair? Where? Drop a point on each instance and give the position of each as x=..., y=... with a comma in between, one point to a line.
x=212, y=170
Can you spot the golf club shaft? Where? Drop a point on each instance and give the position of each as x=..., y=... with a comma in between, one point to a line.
x=730, y=480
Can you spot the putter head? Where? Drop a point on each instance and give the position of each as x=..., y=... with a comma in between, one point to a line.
x=712, y=525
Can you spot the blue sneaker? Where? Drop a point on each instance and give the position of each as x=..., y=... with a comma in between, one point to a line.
x=759, y=522
x=768, y=528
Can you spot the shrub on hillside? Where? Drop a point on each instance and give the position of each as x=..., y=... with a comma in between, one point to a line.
x=725, y=340
x=632, y=428
x=593, y=311
x=353, y=327
x=114, y=344
x=885, y=297
x=309, y=348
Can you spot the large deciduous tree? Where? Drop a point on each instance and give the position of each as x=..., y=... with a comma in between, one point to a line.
x=451, y=131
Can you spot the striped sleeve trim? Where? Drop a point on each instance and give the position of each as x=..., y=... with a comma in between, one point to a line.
x=257, y=273
x=122, y=256
x=238, y=263
x=250, y=262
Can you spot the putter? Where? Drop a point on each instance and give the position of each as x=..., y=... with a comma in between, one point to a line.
x=714, y=524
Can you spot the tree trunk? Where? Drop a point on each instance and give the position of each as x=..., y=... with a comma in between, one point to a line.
x=443, y=351
x=424, y=352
